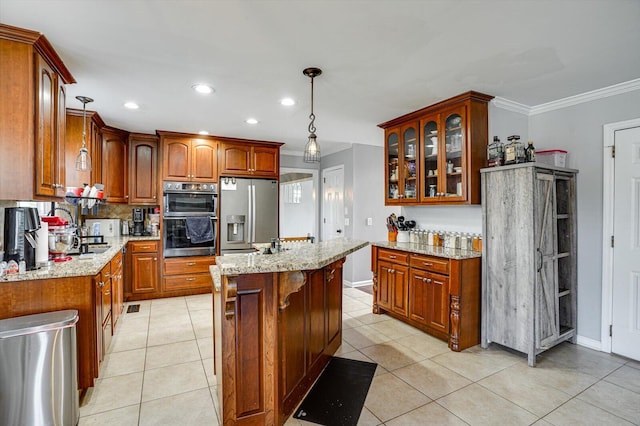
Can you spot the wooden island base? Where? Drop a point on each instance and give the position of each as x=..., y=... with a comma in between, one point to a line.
x=273, y=335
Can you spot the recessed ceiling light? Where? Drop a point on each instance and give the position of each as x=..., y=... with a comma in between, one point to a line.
x=287, y=102
x=131, y=105
x=203, y=132
x=251, y=121
x=202, y=88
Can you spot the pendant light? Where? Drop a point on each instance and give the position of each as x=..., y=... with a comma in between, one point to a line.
x=83, y=159
x=312, y=149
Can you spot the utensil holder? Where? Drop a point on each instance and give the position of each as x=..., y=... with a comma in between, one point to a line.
x=393, y=236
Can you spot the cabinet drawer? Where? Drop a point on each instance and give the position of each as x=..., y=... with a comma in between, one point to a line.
x=393, y=256
x=429, y=263
x=187, y=282
x=188, y=265
x=143, y=246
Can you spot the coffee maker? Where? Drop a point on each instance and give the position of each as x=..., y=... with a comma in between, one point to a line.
x=20, y=226
x=138, y=222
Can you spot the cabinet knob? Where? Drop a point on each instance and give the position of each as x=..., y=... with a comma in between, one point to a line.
x=392, y=257
x=427, y=264
x=126, y=196
x=191, y=263
x=155, y=258
x=191, y=279
x=101, y=284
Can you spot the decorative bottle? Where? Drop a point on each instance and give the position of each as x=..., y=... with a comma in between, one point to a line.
x=530, y=153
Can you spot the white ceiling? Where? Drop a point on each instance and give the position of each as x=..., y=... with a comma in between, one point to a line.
x=381, y=59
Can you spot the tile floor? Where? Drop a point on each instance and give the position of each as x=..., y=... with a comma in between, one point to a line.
x=159, y=372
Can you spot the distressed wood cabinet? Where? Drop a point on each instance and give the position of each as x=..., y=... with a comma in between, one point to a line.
x=530, y=257
x=115, y=160
x=438, y=295
x=143, y=277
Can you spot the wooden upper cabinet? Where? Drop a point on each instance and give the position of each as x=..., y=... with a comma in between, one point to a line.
x=50, y=178
x=187, y=158
x=32, y=123
x=114, y=165
x=250, y=159
x=437, y=161
x=143, y=169
x=204, y=160
x=73, y=143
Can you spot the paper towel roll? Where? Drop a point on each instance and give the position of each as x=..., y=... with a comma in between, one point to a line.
x=42, y=240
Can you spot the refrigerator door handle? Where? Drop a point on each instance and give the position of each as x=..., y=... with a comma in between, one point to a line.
x=253, y=213
x=249, y=217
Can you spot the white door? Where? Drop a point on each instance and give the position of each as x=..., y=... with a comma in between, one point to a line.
x=332, y=203
x=626, y=253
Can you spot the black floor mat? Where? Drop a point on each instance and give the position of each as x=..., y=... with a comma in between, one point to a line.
x=338, y=395
x=133, y=308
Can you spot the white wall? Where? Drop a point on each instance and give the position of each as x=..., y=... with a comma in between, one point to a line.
x=578, y=129
x=363, y=198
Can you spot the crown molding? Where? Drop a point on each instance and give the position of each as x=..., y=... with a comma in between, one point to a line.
x=511, y=105
x=605, y=92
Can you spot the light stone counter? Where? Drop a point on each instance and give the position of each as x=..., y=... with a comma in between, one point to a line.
x=299, y=258
x=78, y=267
x=429, y=250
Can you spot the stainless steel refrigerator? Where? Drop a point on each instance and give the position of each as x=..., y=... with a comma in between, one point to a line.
x=248, y=213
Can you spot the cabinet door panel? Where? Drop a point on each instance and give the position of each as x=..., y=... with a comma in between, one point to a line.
x=265, y=161
x=176, y=159
x=46, y=136
x=114, y=166
x=385, y=277
x=400, y=290
x=236, y=159
x=418, y=297
x=438, y=302
x=145, y=273
x=204, y=160
x=143, y=155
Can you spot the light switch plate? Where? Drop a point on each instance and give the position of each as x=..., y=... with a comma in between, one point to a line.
x=346, y=221
x=369, y=221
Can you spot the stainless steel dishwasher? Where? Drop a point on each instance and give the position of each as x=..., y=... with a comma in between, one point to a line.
x=38, y=369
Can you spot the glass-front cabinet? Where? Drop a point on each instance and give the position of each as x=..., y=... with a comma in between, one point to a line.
x=443, y=145
x=434, y=155
x=402, y=171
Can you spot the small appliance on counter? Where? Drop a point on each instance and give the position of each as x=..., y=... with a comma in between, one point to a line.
x=138, y=222
x=20, y=227
x=62, y=238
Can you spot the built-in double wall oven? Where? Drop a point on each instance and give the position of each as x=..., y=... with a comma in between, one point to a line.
x=190, y=218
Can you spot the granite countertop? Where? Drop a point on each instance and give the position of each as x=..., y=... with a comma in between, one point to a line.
x=429, y=250
x=78, y=267
x=299, y=258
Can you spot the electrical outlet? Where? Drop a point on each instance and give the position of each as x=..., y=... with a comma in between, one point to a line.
x=346, y=221
x=369, y=221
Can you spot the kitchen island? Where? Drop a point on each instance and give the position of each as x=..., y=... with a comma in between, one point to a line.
x=277, y=322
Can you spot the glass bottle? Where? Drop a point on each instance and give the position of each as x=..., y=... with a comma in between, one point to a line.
x=495, y=153
x=530, y=153
x=514, y=151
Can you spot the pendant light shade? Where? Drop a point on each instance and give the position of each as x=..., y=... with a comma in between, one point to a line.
x=83, y=159
x=312, y=149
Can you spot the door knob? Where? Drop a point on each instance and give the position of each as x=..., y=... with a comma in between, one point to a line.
x=339, y=231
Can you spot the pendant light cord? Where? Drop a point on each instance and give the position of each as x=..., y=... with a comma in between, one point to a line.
x=312, y=117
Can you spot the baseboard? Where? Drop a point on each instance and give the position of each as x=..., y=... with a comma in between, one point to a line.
x=590, y=343
x=357, y=283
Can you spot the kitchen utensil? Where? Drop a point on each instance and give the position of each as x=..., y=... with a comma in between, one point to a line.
x=410, y=224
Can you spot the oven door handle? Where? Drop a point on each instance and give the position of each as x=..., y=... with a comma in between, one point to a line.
x=187, y=217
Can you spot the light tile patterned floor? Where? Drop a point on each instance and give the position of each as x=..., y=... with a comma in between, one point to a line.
x=156, y=374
